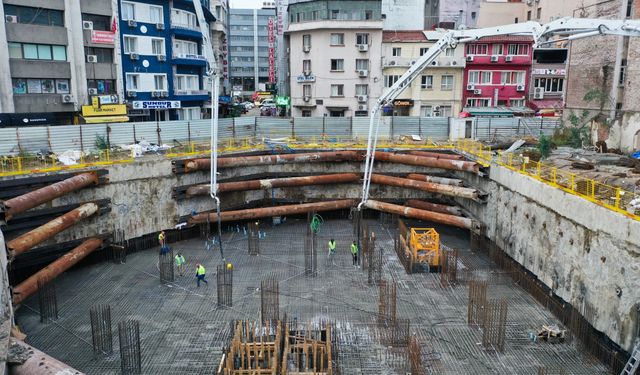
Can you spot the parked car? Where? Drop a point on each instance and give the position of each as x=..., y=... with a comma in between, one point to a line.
x=268, y=103
x=248, y=105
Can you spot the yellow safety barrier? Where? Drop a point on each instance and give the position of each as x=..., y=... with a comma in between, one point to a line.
x=20, y=165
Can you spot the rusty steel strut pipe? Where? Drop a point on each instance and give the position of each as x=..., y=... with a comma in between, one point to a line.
x=442, y=208
x=254, y=213
x=415, y=213
x=225, y=187
x=37, y=362
x=454, y=191
x=26, y=288
x=435, y=179
x=437, y=155
x=37, y=197
x=422, y=161
x=32, y=238
x=244, y=161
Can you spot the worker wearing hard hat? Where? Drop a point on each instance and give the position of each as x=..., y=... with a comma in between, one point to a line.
x=354, y=254
x=200, y=274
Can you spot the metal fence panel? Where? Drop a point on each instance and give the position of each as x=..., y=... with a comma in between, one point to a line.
x=34, y=139
x=121, y=134
x=174, y=133
x=309, y=127
x=147, y=131
x=90, y=136
x=436, y=128
x=273, y=127
x=361, y=127
x=405, y=126
x=200, y=130
x=245, y=127
x=225, y=129
x=63, y=138
x=8, y=141
x=338, y=126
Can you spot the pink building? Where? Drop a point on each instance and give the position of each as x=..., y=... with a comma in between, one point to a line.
x=497, y=72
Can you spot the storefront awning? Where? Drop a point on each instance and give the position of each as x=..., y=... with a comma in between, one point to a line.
x=498, y=111
x=105, y=119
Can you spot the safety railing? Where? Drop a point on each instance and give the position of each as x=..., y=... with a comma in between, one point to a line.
x=20, y=165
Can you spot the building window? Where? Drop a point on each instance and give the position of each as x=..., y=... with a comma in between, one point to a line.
x=102, y=23
x=629, y=8
x=539, y=13
x=423, y=50
x=448, y=52
x=35, y=16
x=337, y=65
x=306, y=113
x=157, y=46
x=103, y=86
x=390, y=80
x=368, y=14
x=362, y=89
x=512, y=78
x=130, y=44
x=155, y=14
x=159, y=82
x=396, y=51
x=426, y=111
x=518, y=49
x=337, y=39
x=306, y=65
x=132, y=81
x=306, y=41
x=15, y=50
x=552, y=85
x=335, y=14
x=183, y=19
x=473, y=15
x=480, y=78
x=37, y=52
x=477, y=49
x=528, y=15
x=315, y=15
x=336, y=113
x=362, y=64
x=362, y=39
x=337, y=90
x=186, y=114
x=128, y=11
x=446, y=83
x=623, y=71
x=426, y=83
x=478, y=102
x=183, y=48
x=103, y=55
x=497, y=49
x=445, y=111
x=187, y=82
x=23, y=86
x=516, y=102
x=306, y=90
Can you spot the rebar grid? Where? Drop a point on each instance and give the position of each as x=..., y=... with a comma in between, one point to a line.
x=101, y=333
x=47, y=300
x=270, y=299
x=224, y=285
x=494, y=327
x=310, y=250
x=130, y=355
x=253, y=238
x=165, y=266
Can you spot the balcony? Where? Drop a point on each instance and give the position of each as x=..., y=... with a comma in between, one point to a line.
x=189, y=59
x=190, y=92
x=184, y=29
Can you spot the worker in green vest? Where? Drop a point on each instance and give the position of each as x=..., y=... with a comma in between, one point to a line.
x=180, y=264
x=332, y=247
x=200, y=274
x=354, y=254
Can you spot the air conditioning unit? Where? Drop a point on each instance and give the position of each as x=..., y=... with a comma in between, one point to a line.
x=470, y=87
x=494, y=58
x=132, y=94
x=160, y=26
x=93, y=91
x=307, y=73
x=477, y=92
x=134, y=56
x=412, y=62
x=538, y=93
x=164, y=94
x=470, y=58
x=306, y=48
x=520, y=88
x=11, y=19
x=92, y=58
x=363, y=47
x=434, y=63
x=363, y=107
x=453, y=63
x=132, y=23
x=306, y=98
x=162, y=58
x=436, y=108
x=87, y=25
x=529, y=2
x=363, y=73
x=67, y=98
x=362, y=98
x=508, y=58
x=392, y=62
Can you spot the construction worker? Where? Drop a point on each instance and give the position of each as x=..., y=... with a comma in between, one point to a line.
x=200, y=274
x=180, y=264
x=354, y=254
x=332, y=247
x=161, y=237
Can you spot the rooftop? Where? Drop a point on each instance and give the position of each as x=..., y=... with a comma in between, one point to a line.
x=403, y=36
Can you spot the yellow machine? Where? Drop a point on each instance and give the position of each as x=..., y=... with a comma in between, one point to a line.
x=424, y=246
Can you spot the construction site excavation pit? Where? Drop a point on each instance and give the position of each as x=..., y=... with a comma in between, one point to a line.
x=183, y=329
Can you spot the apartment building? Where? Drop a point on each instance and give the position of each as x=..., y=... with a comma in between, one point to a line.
x=220, y=40
x=335, y=49
x=438, y=91
x=497, y=72
x=55, y=55
x=249, y=50
x=548, y=77
x=163, y=63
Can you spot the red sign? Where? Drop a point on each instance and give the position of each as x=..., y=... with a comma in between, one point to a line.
x=103, y=37
x=272, y=50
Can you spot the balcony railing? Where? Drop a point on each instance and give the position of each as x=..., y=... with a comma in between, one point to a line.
x=189, y=56
x=190, y=92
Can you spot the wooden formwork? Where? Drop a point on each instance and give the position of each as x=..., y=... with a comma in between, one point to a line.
x=307, y=351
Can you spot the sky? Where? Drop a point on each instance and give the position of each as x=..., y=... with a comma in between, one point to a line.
x=245, y=3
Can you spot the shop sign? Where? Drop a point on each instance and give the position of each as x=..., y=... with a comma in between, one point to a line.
x=403, y=103
x=156, y=104
x=550, y=72
x=305, y=79
x=102, y=37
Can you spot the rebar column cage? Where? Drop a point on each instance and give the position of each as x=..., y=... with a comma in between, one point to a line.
x=224, y=279
x=47, y=300
x=476, y=307
x=374, y=261
x=253, y=238
x=270, y=299
x=310, y=249
x=387, y=301
x=165, y=266
x=449, y=266
x=495, y=322
x=130, y=356
x=119, y=247
x=101, y=333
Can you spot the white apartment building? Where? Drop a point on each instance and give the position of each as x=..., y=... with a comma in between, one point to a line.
x=335, y=50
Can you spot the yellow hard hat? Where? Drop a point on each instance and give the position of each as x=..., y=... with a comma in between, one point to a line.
x=229, y=266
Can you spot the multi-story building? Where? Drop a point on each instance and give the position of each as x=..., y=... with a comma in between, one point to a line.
x=282, y=43
x=163, y=62
x=429, y=14
x=497, y=72
x=249, y=50
x=54, y=56
x=548, y=75
x=220, y=40
x=335, y=49
x=404, y=15
x=437, y=92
